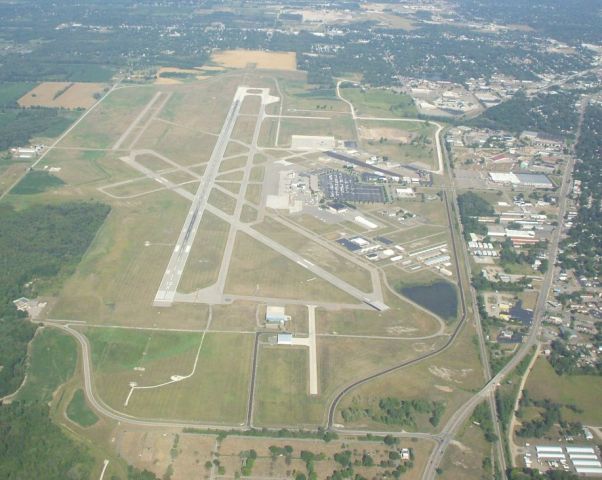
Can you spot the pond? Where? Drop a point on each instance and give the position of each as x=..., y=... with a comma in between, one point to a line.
x=439, y=297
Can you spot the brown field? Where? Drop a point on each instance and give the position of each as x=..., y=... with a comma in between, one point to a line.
x=392, y=134
x=74, y=95
x=259, y=58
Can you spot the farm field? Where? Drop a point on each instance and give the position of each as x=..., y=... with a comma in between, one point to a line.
x=258, y=58
x=70, y=95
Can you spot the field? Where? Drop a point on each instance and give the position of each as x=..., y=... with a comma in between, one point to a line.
x=53, y=361
x=10, y=92
x=68, y=95
x=584, y=391
x=465, y=456
x=449, y=378
x=216, y=392
x=276, y=276
x=36, y=182
x=256, y=58
x=379, y=103
x=79, y=412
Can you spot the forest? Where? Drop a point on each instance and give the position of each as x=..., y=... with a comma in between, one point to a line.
x=40, y=245
x=471, y=207
x=582, y=250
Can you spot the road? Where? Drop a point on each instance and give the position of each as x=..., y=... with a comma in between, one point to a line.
x=171, y=279
x=461, y=415
x=438, y=149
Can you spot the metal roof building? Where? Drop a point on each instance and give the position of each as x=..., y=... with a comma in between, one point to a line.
x=285, y=339
x=275, y=314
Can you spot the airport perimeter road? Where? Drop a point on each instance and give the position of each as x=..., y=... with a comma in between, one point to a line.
x=461, y=415
x=171, y=278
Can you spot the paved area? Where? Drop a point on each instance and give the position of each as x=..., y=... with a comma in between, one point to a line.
x=171, y=279
x=310, y=342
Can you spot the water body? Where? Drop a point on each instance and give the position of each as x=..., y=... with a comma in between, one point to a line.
x=439, y=297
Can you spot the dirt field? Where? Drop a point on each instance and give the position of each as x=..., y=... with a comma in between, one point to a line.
x=391, y=134
x=62, y=95
x=259, y=58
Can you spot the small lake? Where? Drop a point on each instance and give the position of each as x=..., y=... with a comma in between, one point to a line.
x=440, y=297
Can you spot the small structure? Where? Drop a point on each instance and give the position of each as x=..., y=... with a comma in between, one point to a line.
x=275, y=315
x=22, y=304
x=284, y=339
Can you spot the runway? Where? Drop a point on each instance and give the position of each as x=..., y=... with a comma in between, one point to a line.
x=171, y=278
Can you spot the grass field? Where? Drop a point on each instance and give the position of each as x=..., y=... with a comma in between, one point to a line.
x=258, y=270
x=298, y=96
x=217, y=392
x=36, y=181
x=223, y=201
x=282, y=389
x=88, y=168
x=63, y=95
x=379, y=103
x=79, y=412
x=584, y=391
x=53, y=361
x=350, y=272
x=118, y=277
x=464, y=457
x=105, y=124
x=205, y=258
x=450, y=378
x=10, y=92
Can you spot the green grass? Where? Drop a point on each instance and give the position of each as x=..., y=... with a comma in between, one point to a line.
x=114, y=350
x=382, y=103
x=283, y=387
x=584, y=391
x=53, y=361
x=36, y=181
x=79, y=412
x=10, y=92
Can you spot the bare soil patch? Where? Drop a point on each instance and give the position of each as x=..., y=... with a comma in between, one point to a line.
x=390, y=134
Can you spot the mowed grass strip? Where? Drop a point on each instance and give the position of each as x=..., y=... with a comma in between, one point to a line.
x=79, y=412
x=217, y=392
x=53, y=361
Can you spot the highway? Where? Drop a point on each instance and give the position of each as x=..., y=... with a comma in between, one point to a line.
x=171, y=278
